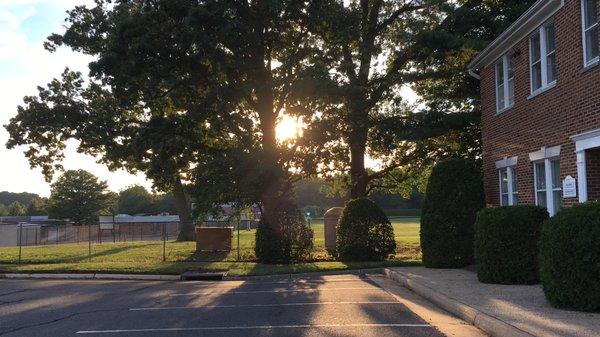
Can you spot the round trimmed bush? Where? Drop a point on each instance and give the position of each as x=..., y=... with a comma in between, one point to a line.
x=364, y=233
x=570, y=258
x=506, y=244
x=454, y=196
x=284, y=237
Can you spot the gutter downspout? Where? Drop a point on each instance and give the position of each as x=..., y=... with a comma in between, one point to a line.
x=474, y=74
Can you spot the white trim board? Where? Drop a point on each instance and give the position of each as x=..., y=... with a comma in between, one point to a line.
x=587, y=140
x=544, y=153
x=584, y=141
x=506, y=162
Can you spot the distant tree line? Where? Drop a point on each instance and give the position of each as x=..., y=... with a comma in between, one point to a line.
x=82, y=197
x=137, y=199
x=20, y=204
x=24, y=198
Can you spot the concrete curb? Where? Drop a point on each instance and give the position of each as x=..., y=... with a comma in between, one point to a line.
x=359, y=272
x=91, y=276
x=145, y=277
x=493, y=326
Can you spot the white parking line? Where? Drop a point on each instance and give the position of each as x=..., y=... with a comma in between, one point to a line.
x=257, y=327
x=306, y=280
x=277, y=291
x=262, y=305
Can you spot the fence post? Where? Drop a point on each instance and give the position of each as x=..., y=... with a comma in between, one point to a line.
x=89, y=241
x=238, y=239
x=164, y=242
x=20, y=236
x=113, y=228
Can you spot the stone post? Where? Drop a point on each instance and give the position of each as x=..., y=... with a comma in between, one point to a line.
x=330, y=219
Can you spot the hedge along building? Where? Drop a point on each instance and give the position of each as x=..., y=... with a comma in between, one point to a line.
x=540, y=96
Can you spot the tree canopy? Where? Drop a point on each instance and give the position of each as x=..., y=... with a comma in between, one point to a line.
x=154, y=100
x=16, y=209
x=137, y=199
x=268, y=43
x=80, y=197
x=37, y=206
x=352, y=93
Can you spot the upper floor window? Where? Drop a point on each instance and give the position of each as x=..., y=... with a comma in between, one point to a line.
x=589, y=10
x=542, y=58
x=505, y=83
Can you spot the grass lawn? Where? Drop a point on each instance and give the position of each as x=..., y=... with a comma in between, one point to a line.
x=146, y=256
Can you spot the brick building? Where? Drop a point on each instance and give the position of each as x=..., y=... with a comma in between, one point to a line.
x=540, y=92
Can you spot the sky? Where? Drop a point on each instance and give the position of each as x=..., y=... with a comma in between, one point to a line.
x=24, y=64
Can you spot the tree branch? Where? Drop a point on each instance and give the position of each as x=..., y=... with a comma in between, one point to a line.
x=389, y=20
x=381, y=173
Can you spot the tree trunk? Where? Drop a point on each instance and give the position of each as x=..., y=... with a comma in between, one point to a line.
x=265, y=98
x=359, y=179
x=273, y=186
x=186, y=226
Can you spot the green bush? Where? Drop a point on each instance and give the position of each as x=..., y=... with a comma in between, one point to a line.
x=506, y=244
x=454, y=196
x=285, y=237
x=364, y=232
x=570, y=258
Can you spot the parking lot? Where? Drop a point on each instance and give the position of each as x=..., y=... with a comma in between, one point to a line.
x=344, y=305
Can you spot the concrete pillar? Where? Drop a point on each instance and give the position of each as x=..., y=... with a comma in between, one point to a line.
x=330, y=219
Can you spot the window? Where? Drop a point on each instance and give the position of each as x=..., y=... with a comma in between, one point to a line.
x=505, y=83
x=509, y=192
x=548, y=186
x=542, y=58
x=540, y=184
x=589, y=16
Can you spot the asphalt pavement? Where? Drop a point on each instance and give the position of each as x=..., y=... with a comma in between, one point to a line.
x=341, y=305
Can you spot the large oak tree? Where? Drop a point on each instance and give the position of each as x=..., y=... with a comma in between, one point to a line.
x=352, y=92
x=154, y=100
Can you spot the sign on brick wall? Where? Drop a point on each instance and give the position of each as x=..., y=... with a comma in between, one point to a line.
x=569, y=187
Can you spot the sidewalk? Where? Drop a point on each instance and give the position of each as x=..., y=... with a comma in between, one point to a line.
x=499, y=310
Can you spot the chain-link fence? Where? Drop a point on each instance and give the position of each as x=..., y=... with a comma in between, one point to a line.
x=25, y=234
x=38, y=243
x=136, y=244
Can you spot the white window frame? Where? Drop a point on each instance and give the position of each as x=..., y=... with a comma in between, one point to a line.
x=510, y=174
x=559, y=185
x=506, y=94
x=546, y=155
x=584, y=30
x=536, y=189
x=543, y=59
x=549, y=188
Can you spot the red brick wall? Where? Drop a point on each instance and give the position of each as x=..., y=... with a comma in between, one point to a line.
x=548, y=119
x=593, y=173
